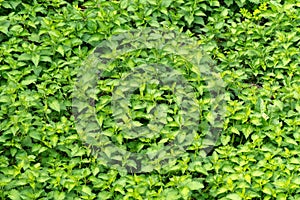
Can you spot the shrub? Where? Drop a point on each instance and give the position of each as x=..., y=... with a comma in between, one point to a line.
x=255, y=46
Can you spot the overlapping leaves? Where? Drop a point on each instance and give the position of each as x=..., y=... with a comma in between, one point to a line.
x=256, y=46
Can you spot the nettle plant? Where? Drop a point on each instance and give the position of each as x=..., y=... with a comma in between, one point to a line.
x=147, y=106
x=255, y=46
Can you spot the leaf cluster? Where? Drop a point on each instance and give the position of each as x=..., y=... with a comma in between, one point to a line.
x=255, y=46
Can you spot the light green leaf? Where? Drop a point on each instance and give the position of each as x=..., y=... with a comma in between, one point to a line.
x=185, y=192
x=4, y=99
x=35, y=59
x=189, y=19
x=60, y=50
x=194, y=185
x=124, y=4
x=55, y=105
x=233, y=196
x=87, y=190
x=267, y=190
x=225, y=139
x=290, y=141
x=235, y=130
x=29, y=80
x=14, y=195
x=166, y=3
x=46, y=59
x=228, y=2
x=59, y=195
x=247, y=131
x=24, y=56
x=104, y=195
x=296, y=180
x=257, y=173
x=4, y=26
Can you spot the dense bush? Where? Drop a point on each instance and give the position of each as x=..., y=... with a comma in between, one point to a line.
x=255, y=46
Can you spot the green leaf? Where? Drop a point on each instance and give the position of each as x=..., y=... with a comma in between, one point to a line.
x=248, y=178
x=35, y=135
x=14, y=4
x=228, y=2
x=35, y=59
x=235, y=130
x=55, y=105
x=278, y=104
x=214, y=3
x=166, y=3
x=124, y=4
x=17, y=29
x=4, y=99
x=14, y=195
x=233, y=196
x=24, y=56
x=194, y=185
x=60, y=50
x=296, y=180
x=225, y=139
x=189, y=18
x=257, y=173
x=59, y=195
x=185, y=192
x=29, y=80
x=87, y=190
x=104, y=195
x=255, y=1
x=4, y=24
x=222, y=190
x=247, y=131
x=267, y=190
x=290, y=141
x=46, y=59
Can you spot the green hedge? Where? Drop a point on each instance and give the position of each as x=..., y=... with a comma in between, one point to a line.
x=255, y=46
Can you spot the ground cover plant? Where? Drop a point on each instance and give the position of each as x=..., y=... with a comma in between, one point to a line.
x=255, y=48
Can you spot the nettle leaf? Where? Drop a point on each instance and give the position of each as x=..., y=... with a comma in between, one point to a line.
x=11, y=4
x=166, y=3
x=24, y=56
x=235, y=130
x=247, y=130
x=29, y=80
x=189, y=18
x=233, y=196
x=87, y=190
x=104, y=195
x=14, y=195
x=60, y=49
x=257, y=173
x=5, y=99
x=225, y=139
x=296, y=180
x=43, y=44
x=195, y=185
x=290, y=141
x=35, y=59
x=55, y=105
x=248, y=178
x=4, y=24
x=124, y=4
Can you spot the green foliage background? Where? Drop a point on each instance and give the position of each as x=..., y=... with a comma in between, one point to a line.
x=256, y=48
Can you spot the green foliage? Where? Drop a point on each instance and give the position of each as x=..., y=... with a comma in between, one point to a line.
x=255, y=45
